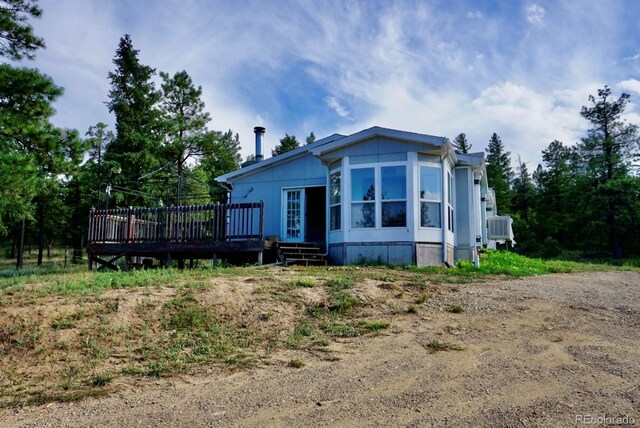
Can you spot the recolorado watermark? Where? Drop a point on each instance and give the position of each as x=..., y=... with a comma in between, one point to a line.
x=605, y=420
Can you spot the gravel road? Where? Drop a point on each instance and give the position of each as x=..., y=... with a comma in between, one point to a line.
x=538, y=351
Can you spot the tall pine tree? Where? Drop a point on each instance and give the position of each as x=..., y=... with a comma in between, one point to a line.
x=287, y=143
x=133, y=100
x=499, y=172
x=461, y=144
x=609, y=149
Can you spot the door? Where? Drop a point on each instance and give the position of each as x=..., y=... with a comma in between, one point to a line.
x=293, y=215
x=316, y=215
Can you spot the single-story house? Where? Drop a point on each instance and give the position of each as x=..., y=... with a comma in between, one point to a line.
x=378, y=195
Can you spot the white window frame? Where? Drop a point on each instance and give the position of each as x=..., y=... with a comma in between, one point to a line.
x=377, y=177
x=383, y=201
x=283, y=212
x=438, y=166
x=337, y=204
x=450, y=212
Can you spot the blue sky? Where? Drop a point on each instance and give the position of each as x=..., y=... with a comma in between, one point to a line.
x=522, y=69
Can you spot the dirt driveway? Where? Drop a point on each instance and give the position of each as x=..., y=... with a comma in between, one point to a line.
x=538, y=351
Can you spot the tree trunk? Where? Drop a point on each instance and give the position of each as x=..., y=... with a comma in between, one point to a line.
x=40, y=235
x=14, y=243
x=20, y=245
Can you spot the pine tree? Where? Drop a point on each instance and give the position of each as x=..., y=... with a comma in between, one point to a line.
x=523, y=191
x=499, y=172
x=608, y=151
x=311, y=138
x=133, y=100
x=16, y=35
x=461, y=144
x=287, y=143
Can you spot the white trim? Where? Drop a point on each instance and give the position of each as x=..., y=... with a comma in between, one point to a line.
x=283, y=214
x=377, y=177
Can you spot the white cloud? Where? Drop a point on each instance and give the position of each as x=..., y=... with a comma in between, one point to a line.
x=336, y=106
x=632, y=85
x=393, y=64
x=535, y=14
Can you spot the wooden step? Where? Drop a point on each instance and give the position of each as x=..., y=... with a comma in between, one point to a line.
x=305, y=262
x=300, y=253
x=303, y=256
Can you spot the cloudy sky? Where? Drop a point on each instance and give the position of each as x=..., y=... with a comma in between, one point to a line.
x=522, y=69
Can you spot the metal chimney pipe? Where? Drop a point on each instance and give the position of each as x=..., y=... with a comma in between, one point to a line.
x=259, y=131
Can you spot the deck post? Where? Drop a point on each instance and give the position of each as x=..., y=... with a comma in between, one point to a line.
x=168, y=261
x=260, y=258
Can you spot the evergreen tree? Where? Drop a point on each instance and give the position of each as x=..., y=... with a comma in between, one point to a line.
x=461, y=144
x=287, y=143
x=31, y=149
x=99, y=139
x=133, y=100
x=522, y=191
x=311, y=138
x=557, y=195
x=16, y=35
x=225, y=157
x=499, y=172
x=608, y=150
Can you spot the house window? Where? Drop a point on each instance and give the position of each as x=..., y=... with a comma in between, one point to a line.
x=334, y=200
x=430, y=196
x=363, y=198
x=394, y=196
x=449, y=201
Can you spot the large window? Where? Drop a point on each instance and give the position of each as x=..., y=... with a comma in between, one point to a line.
x=430, y=196
x=334, y=201
x=394, y=196
x=363, y=198
x=379, y=189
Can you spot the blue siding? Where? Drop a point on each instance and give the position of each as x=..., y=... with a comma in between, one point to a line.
x=267, y=186
x=462, y=206
x=378, y=146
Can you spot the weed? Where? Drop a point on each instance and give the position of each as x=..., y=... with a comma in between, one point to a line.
x=435, y=346
x=296, y=363
x=377, y=325
x=302, y=282
x=341, y=301
x=412, y=309
x=455, y=309
x=101, y=379
x=337, y=329
x=265, y=316
x=422, y=298
x=339, y=283
x=301, y=331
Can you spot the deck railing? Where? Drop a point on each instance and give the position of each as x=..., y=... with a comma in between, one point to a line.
x=192, y=223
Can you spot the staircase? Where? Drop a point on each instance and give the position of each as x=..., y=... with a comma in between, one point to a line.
x=300, y=253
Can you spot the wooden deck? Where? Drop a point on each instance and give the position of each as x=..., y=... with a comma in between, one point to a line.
x=180, y=232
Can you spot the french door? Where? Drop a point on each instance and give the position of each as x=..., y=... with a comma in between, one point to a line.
x=293, y=221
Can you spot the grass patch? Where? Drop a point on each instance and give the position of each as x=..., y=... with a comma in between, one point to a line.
x=339, y=283
x=296, y=363
x=101, y=379
x=435, y=346
x=455, y=309
x=339, y=329
x=302, y=282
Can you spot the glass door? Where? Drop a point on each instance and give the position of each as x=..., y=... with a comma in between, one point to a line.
x=293, y=215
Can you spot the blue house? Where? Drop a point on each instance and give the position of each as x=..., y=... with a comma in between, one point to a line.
x=379, y=195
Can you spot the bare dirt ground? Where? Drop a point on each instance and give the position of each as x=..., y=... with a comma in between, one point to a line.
x=531, y=352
